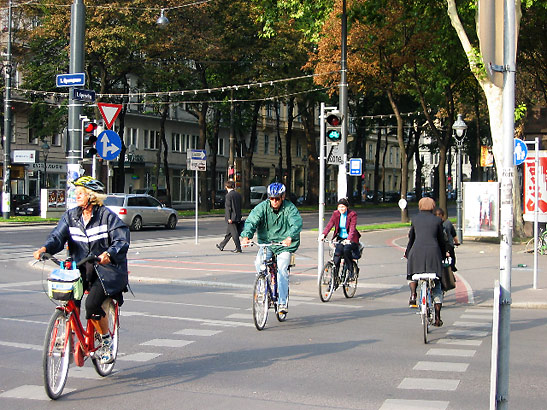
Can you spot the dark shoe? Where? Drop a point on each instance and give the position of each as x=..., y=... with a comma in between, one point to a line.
x=412, y=303
x=454, y=269
x=236, y=251
x=438, y=323
x=219, y=248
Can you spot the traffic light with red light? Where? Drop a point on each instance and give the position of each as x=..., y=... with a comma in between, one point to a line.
x=89, y=140
x=333, y=130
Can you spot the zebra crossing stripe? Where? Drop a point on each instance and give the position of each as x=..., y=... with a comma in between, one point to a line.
x=451, y=352
x=396, y=404
x=413, y=383
x=441, y=366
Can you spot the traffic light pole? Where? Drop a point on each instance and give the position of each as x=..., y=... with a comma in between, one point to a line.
x=74, y=143
x=343, y=104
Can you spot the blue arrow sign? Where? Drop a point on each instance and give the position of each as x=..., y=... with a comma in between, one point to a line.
x=520, y=152
x=70, y=80
x=198, y=154
x=108, y=145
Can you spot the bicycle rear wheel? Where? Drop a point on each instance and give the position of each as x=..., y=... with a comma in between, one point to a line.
x=350, y=285
x=56, y=354
x=261, y=302
x=326, y=282
x=424, y=308
x=111, y=309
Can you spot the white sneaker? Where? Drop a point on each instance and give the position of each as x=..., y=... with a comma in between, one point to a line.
x=283, y=308
x=105, y=351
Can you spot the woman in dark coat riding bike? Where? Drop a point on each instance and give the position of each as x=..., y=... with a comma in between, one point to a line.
x=92, y=229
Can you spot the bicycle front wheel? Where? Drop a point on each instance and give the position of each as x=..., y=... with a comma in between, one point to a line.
x=261, y=302
x=350, y=285
x=56, y=354
x=111, y=309
x=326, y=282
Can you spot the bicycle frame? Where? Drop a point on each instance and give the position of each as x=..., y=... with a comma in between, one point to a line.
x=85, y=336
x=425, y=308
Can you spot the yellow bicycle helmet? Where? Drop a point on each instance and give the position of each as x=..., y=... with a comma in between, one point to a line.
x=90, y=183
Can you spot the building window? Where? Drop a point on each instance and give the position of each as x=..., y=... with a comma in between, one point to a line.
x=269, y=110
x=130, y=137
x=298, y=149
x=276, y=146
x=266, y=144
x=57, y=140
x=151, y=139
x=220, y=150
x=189, y=142
x=176, y=143
x=391, y=155
x=370, y=151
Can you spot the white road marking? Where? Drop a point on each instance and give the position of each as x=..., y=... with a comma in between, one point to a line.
x=211, y=322
x=23, y=320
x=18, y=284
x=441, y=366
x=414, y=383
x=397, y=404
x=479, y=310
x=198, y=332
x=156, y=302
x=21, y=345
x=86, y=373
x=138, y=357
x=467, y=333
x=167, y=343
x=239, y=316
x=30, y=392
x=472, y=324
x=477, y=316
x=461, y=342
x=451, y=352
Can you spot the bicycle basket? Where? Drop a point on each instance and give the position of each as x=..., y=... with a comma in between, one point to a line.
x=63, y=284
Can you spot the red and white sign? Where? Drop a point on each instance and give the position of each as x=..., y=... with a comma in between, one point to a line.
x=109, y=112
x=530, y=176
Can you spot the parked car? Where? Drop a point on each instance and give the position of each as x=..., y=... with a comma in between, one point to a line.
x=220, y=198
x=30, y=208
x=161, y=194
x=20, y=199
x=258, y=194
x=138, y=210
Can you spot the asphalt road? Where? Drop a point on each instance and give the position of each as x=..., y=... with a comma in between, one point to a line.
x=187, y=339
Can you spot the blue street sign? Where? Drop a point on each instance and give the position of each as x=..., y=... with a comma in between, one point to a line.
x=355, y=166
x=70, y=80
x=520, y=152
x=108, y=145
x=84, y=95
x=198, y=154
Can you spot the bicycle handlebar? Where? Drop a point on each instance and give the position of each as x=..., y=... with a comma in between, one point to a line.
x=46, y=256
x=262, y=245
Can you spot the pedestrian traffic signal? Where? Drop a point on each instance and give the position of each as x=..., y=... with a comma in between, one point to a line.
x=334, y=126
x=89, y=139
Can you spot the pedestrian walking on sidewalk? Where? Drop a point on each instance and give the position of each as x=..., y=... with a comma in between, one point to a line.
x=425, y=250
x=232, y=217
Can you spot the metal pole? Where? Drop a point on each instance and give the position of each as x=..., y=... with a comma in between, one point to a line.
x=6, y=187
x=459, y=192
x=197, y=193
x=74, y=143
x=343, y=103
x=322, y=142
x=506, y=230
x=536, y=211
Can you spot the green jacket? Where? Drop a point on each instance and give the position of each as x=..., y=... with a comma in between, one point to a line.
x=274, y=227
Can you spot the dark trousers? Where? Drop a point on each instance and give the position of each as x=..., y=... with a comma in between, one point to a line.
x=232, y=231
x=347, y=252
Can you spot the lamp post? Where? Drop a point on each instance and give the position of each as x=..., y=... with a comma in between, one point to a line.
x=45, y=152
x=459, y=129
x=6, y=187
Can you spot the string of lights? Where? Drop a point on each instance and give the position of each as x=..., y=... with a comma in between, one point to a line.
x=30, y=2
x=55, y=94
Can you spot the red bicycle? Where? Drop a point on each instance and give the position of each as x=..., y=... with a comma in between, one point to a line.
x=68, y=341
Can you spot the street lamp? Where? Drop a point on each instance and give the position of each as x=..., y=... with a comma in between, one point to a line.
x=162, y=20
x=45, y=152
x=459, y=129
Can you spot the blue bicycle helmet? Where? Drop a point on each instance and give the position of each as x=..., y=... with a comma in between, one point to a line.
x=276, y=189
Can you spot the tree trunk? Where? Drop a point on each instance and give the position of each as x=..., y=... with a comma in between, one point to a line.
x=288, y=141
x=166, y=170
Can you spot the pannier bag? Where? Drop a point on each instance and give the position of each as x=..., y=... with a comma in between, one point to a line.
x=65, y=284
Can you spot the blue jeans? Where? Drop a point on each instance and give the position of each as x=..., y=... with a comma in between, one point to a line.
x=283, y=260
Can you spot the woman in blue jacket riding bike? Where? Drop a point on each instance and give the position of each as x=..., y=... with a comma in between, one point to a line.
x=92, y=229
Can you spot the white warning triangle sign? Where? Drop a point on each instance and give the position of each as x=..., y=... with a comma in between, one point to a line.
x=109, y=112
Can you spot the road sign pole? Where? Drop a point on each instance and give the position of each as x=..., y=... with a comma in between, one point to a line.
x=197, y=193
x=322, y=142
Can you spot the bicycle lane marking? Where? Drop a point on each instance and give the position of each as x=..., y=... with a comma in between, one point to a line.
x=463, y=292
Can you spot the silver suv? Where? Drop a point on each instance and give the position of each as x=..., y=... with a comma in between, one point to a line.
x=138, y=210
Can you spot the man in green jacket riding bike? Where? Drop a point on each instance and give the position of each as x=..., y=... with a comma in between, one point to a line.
x=275, y=220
